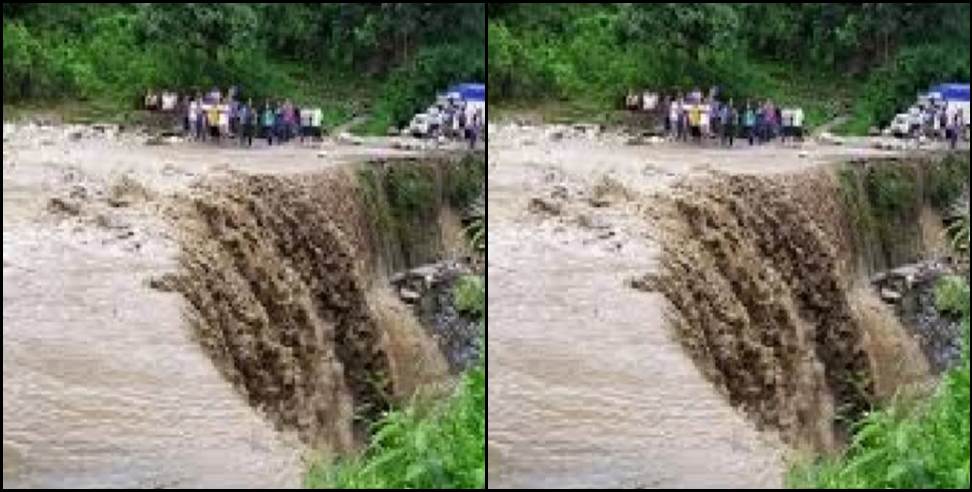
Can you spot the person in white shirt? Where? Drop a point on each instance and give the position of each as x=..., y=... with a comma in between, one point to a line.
x=915, y=121
x=786, y=117
x=169, y=100
x=704, y=120
x=797, y=116
x=192, y=114
x=674, y=109
x=306, y=123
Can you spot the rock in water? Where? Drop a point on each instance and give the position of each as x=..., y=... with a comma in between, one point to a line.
x=64, y=206
x=543, y=205
x=409, y=295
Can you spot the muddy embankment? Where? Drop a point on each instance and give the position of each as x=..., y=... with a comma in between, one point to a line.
x=769, y=281
x=286, y=283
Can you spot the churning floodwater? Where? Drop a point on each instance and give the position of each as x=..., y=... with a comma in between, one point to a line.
x=102, y=385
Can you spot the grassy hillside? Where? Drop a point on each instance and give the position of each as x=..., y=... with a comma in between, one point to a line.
x=865, y=59
x=385, y=59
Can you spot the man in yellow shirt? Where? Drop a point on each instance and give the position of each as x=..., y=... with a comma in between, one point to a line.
x=695, y=121
x=212, y=117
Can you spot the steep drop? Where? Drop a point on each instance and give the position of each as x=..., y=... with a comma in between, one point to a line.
x=285, y=283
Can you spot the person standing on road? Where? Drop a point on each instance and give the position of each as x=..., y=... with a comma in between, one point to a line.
x=306, y=115
x=683, y=120
x=728, y=123
x=694, y=121
x=212, y=117
x=246, y=118
x=673, y=112
x=715, y=118
x=201, y=123
x=749, y=122
x=953, y=130
x=224, y=120
x=279, y=124
x=705, y=121
x=192, y=114
x=760, y=122
x=941, y=121
x=269, y=118
x=778, y=121
x=914, y=121
x=798, y=124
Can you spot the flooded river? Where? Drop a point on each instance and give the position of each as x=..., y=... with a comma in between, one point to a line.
x=587, y=386
x=103, y=385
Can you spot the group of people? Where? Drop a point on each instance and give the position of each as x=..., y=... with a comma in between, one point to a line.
x=701, y=118
x=934, y=121
x=453, y=118
x=215, y=117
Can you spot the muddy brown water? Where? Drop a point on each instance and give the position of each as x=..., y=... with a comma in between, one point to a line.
x=103, y=383
x=587, y=385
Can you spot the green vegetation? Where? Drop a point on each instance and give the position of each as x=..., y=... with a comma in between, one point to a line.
x=884, y=202
x=909, y=444
x=947, y=181
x=466, y=180
x=403, y=198
x=470, y=295
x=349, y=58
x=425, y=445
x=891, y=190
x=871, y=59
x=952, y=296
x=443, y=447
x=959, y=230
x=411, y=191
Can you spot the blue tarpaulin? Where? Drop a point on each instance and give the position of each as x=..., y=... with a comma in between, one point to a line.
x=952, y=92
x=470, y=91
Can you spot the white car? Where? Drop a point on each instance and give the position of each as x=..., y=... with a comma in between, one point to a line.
x=901, y=125
x=419, y=126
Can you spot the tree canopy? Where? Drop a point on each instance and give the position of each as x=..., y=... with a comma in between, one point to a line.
x=599, y=51
x=89, y=50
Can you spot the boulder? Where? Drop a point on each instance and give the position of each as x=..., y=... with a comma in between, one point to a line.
x=890, y=296
x=830, y=139
x=545, y=206
x=410, y=296
x=349, y=139
x=64, y=206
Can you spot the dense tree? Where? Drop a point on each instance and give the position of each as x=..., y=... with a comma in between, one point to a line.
x=783, y=50
x=94, y=50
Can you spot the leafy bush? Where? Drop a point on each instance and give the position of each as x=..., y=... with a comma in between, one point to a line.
x=419, y=448
x=411, y=191
x=959, y=230
x=890, y=191
x=952, y=296
x=947, y=181
x=909, y=445
x=470, y=295
x=444, y=449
